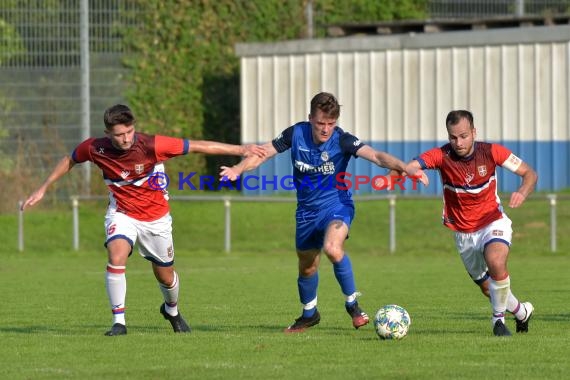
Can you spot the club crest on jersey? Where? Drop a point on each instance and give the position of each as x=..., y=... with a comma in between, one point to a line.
x=139, y=168
x=324, y=156
x=482, y=170
x=468, y=178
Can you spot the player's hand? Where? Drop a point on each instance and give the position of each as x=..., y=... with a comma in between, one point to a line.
x=517, y=199
x=421, y=176
x=254, y=150
x=390, y=181
x=414, y=170
x=33, y=199
x=396, y=173
x=229, y=173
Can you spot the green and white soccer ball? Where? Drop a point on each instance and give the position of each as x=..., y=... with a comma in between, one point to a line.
x=392, y=322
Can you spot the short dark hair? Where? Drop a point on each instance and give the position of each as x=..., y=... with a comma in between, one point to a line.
x=327, y=103
x=118, y=114
x=455, y=116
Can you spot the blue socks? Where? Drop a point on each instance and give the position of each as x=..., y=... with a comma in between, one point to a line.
x=308, y=286
x=308, y=293
x=345, y=277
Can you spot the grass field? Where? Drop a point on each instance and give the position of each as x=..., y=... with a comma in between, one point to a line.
x=54, y=310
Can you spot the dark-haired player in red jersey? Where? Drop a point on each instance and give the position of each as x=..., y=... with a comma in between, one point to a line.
x=473, y=210
x=138, y=209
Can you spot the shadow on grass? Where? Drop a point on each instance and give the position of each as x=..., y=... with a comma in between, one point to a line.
x=32, y=330
x=367, y=331
x=552, y=317
x=84, y=329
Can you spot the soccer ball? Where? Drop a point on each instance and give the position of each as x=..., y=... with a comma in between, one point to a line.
x=392, y=322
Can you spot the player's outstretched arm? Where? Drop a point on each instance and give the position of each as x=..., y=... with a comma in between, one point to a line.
x=63, y=166
x=382, y=159
x=529, y=179
x=218, y=148
x=386, y=160
x=249, y=163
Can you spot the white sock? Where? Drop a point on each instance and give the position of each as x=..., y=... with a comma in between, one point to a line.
x=499, y=292
x=116, y=284
x=170, y=295
x=515, y=307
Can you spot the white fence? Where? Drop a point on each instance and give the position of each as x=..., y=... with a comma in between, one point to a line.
x=227, y=201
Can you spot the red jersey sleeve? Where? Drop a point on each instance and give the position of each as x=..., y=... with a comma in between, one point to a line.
x=431, y=159
x=82, y=152
x=500, y=153
x=505, y=158
x=167, y=147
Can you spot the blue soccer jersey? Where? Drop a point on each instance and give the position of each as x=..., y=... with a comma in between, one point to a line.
x=318, y=169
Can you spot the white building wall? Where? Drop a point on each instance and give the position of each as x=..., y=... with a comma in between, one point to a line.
x=515, y=90
x=399, y=89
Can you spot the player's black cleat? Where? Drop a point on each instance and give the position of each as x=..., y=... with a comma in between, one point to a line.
x=359, y=317
x=178, y=323
x=117, y=329
x=522, y=325
x=301, y=323
x=500, y=329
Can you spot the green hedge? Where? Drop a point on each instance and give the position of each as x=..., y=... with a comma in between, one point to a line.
x=185, y=74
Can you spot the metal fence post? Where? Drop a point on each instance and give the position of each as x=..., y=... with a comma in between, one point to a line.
x=227, y=223
x=519, y=8
x=553, y=227
x=75, y=206
x=85, y=86
x=20, y=226
x=392, y=198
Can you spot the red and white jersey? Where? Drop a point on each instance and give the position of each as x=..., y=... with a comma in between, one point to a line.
x=470, y=183
x=126, y=173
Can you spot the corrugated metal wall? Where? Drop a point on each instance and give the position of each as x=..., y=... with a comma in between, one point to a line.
x=396, y=92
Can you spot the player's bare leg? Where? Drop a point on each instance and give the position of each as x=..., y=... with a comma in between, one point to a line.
x=169, y=286
x=116, y=283
x=337, y=232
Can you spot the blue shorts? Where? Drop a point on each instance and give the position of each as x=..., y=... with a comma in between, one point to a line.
x=312, y=224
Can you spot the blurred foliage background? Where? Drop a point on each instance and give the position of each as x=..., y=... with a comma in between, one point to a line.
x=185, y=74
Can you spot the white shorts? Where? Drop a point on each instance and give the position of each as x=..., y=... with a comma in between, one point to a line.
x=471, y=246
x=154, y=238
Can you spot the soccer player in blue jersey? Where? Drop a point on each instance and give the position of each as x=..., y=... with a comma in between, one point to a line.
x=320, y=152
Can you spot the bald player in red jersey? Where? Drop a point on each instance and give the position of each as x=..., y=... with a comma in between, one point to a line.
x=138, y=210
x=473, y=210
